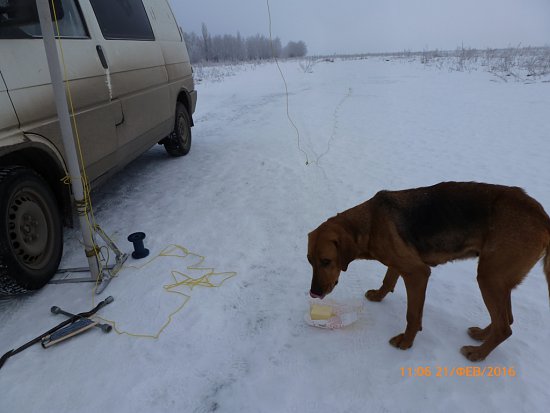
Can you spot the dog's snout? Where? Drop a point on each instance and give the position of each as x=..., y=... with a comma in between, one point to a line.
x=313, y=295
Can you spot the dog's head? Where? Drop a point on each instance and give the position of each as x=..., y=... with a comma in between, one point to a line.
x=330, y=250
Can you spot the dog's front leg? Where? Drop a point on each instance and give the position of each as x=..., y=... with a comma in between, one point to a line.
x=387, y=286
x=416, y=284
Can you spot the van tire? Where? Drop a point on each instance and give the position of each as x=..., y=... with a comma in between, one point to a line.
x=31, y=231
x=179, y=141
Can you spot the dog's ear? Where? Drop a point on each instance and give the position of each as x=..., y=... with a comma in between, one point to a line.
x=347, y=249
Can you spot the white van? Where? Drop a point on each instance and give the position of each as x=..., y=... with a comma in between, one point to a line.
x=132, y=87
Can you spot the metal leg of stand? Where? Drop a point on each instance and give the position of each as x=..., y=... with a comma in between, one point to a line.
x=108, y=274
x=75, y=280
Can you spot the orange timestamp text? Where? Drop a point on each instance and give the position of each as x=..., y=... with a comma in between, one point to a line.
x=468, y=371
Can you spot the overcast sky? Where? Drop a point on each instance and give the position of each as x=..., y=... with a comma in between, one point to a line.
x=355, y=26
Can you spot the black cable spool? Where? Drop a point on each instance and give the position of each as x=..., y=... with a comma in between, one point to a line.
x=139, y=249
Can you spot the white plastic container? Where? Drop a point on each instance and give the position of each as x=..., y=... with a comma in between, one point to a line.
x=343, y=315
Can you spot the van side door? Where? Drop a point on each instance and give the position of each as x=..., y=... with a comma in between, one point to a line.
x=138, y=76
x=170, y=38
x=25, y=71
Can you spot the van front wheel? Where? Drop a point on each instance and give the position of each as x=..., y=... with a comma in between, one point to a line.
x=31, y=231
x=179, y=141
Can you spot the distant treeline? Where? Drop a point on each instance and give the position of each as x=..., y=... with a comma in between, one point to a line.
x=218, y=48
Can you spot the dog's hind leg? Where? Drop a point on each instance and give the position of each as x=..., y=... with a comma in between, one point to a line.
x=504, y=262
x=481, y=334
x=494, y=295
x=416, y=283
x=387, y=286
x=498, y=274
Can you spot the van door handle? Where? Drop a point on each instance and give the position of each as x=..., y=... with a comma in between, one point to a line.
x=102, y=57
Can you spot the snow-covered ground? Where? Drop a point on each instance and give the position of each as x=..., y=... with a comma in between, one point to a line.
x=245, y=199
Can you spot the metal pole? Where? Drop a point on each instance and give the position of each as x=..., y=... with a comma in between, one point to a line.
x=67, y=132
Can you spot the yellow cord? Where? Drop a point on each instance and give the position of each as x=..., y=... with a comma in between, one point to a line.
x=308, y=162
x=206, y=280
x=286, y=88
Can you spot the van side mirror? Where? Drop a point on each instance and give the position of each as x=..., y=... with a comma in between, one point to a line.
x=17, y=12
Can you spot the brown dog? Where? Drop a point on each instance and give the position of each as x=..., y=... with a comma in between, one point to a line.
x=412, y=230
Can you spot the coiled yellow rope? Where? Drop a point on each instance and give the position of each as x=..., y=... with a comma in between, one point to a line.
x=210, y=279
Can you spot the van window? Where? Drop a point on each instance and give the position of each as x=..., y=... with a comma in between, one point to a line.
x=70, y=26
x=166, y=27
x=123, y=19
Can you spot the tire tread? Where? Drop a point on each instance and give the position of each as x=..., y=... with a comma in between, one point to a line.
x=8, y=285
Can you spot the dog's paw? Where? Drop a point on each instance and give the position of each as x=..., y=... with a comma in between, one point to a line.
x=374, y=295
x=479, y=334
x=399, y=341
x=473, y=353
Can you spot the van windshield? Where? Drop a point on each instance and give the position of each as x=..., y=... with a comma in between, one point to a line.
x=71, y=25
